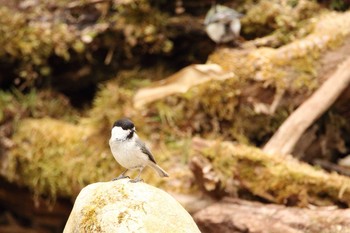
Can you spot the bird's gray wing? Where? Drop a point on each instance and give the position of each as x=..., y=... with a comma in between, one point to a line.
x=145, y=150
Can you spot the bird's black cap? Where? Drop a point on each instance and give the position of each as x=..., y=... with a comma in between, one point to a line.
x=125, y=123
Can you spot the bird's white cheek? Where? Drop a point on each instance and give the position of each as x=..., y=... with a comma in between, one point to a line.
x=119, y=134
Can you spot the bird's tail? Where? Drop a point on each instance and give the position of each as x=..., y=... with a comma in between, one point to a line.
x=159, y=170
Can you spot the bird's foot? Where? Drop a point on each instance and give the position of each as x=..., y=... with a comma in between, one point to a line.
x=121, y=177
x=136, y=180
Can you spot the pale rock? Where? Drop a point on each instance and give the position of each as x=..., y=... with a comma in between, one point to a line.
x=122, y=206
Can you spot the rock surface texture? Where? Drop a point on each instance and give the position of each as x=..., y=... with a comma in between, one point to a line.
x=121, y=206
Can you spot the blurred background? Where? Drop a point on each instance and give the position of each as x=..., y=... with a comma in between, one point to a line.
x=206, y=89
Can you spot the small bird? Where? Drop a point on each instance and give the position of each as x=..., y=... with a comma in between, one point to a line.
x=130, y=151
x=222, y=24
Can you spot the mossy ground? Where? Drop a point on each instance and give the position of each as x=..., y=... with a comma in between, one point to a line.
x=58, y=157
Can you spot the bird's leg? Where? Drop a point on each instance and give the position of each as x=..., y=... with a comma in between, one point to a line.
x=122, y=176
x=138, y=178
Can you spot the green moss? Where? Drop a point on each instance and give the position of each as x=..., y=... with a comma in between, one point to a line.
x=30, y=44
x=115, y=99
x=14, y=105
x=37, y=39
x=286, y=21
x=240, y=108
x=143, y=26
x=227, y=108
x=215, y=108
x=48, y=157
x=55, y=158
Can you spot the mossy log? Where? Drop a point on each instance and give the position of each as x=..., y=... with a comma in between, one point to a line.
x=50, y=157
x=56, y=159
x=225, y=168
x=266, y=85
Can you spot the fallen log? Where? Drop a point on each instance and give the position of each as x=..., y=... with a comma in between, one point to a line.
x=180, y=82
x=226, y=169
x=235, y=216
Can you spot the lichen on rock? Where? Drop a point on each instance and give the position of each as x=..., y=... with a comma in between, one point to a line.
x=121, y=206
